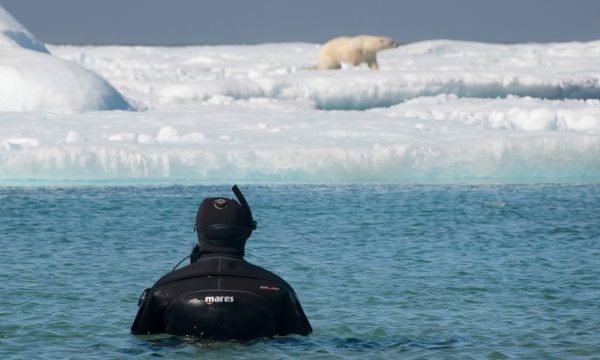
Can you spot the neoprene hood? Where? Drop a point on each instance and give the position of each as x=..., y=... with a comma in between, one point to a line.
x=223, y=225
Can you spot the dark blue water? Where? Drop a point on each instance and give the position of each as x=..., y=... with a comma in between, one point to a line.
x=381, y=271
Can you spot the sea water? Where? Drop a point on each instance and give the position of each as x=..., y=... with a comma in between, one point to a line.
x=382, y=271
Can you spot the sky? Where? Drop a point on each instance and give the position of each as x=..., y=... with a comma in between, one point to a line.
x=199, y=22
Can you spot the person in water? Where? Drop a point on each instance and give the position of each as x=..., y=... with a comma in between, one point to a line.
x=219, y=294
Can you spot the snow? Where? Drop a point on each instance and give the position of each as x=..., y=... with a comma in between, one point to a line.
x=425, y=140
x=13, y=34
x=31, y=79
x=155, y=77
x=438, y=111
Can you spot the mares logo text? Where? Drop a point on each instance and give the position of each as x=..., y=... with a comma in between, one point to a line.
x=218, y=299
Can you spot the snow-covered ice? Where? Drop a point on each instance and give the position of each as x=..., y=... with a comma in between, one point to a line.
x=437, y=111
x=31, y=79
x=441, y=139
x=13, y=34
x=158, y=77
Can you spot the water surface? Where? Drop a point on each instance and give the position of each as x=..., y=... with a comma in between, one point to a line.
x=381, y=271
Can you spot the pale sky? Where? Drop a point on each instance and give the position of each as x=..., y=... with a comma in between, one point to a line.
x=188, y=22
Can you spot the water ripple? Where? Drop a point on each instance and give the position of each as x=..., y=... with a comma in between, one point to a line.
x=382, y=271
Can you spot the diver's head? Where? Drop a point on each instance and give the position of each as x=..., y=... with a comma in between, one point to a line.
x=224, y=225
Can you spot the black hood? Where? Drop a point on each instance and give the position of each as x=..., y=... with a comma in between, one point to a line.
x=223, y=225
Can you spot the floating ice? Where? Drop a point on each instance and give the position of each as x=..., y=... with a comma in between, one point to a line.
x=526, y=114
x=145, y=139
x=122, y=137
x=437, y=111
x=74, y=137
x=156, y=77
x=13, y=34
x=441, y=139
x=34, y=80
x=20, y=142
x=167, y=134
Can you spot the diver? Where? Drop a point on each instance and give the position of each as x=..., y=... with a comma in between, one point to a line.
x=219, y=295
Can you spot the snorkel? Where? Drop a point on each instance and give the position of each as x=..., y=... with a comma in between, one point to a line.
x=238, y=194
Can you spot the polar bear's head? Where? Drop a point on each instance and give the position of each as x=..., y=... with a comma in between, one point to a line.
x=377, y=43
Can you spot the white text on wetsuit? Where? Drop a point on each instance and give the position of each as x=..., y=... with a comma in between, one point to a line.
x=218, y=299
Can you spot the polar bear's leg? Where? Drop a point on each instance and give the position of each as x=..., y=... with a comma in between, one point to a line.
x=327, y=60
x=334, y=65
x=372, y=62
x=328, y=64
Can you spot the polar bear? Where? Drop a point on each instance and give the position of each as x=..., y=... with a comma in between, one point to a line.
x=353, y=50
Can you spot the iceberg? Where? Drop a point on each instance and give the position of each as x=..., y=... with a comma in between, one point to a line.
x=159, y=77
x=445, y=139
x=437, y=111
x=13, y=34
x=32, y=79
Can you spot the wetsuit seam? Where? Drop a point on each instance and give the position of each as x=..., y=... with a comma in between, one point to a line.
x=220, y=257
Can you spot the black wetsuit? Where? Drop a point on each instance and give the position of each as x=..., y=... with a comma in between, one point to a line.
x=221, y=296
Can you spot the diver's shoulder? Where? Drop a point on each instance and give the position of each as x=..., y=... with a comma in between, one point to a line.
x=270, y=276
x=202, y=267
